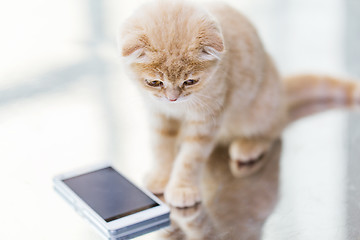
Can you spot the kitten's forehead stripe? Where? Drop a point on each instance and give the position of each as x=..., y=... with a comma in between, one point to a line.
x=176, y=71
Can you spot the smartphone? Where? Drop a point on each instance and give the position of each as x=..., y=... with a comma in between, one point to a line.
x=111, y=203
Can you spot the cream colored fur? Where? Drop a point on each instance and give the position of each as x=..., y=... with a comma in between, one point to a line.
x=206, y=80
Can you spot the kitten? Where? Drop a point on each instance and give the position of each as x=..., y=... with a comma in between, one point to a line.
x=207, y=80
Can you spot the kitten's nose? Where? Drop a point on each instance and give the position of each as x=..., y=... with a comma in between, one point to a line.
x=172, y=94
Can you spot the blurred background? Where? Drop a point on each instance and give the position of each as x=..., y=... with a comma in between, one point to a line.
x=65, y=103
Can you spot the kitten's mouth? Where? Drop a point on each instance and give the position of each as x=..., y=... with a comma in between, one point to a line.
x=176, y=100
x=165, y=99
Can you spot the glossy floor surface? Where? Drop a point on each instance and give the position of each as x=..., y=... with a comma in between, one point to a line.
x=317, y=200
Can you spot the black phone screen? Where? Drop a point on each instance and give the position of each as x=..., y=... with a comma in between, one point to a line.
x=109, y=194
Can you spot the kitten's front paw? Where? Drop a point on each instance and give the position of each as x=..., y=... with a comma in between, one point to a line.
x=156, y=182
x=241, y=168
x=188, y=213
x=182, y=196
x=247, y=157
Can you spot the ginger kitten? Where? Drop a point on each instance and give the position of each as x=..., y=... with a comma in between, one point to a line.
x=206, y=80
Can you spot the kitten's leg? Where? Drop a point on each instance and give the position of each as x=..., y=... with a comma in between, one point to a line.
x=247, y=155
x=164, y=135
x=183, y=189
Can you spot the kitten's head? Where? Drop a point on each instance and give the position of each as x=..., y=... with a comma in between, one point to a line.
x=171, y=49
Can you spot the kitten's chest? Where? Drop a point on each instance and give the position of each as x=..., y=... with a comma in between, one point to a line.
x=173, y=110
x=180, y=111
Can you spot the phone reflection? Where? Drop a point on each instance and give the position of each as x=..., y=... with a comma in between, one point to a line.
x=232, y=208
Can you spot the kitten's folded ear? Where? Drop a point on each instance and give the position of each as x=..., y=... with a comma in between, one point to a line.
x=132, y=47
x=212, y=44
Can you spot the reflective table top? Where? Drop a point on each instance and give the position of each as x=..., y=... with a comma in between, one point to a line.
x=309, y=189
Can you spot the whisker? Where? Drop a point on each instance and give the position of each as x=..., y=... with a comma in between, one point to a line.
x=206, y=108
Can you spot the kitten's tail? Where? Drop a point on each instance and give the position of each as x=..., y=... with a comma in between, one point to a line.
x=309, y=94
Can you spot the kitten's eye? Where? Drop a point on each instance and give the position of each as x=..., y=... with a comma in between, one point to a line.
x=190, y=82
x=155, y=83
